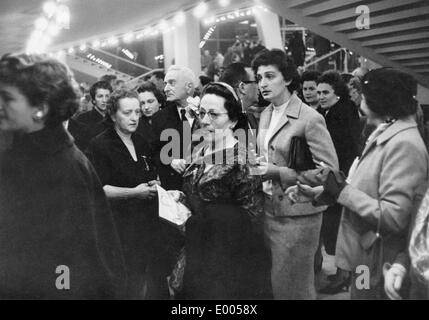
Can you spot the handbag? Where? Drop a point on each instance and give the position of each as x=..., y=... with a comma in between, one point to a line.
x=374, y=255
x=300, y=157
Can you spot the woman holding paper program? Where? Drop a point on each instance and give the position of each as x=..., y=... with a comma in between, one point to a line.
x=225, y=253
x=122, y=160
x=292, y=230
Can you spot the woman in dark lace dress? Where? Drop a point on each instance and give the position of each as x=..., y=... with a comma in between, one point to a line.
x=225, y=253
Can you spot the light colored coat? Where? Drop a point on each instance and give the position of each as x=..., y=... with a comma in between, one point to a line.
x=391, y=176
x=292, y=230
x=302, y=121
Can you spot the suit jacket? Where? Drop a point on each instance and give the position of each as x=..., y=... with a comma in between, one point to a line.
x=145, y=129
x=303, y=121
x=389, y=183
x=342, y=121
x=178, y=145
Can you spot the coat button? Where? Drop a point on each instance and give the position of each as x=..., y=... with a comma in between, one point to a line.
x=281, y=198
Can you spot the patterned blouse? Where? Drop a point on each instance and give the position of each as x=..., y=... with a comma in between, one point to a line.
x=223, y=177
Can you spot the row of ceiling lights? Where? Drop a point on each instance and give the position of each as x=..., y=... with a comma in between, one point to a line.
x=55, y=16
x=166, y=25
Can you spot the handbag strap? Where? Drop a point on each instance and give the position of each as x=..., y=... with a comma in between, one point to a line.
x=378, y=233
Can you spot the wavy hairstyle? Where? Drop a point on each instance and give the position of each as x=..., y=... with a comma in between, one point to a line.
x=281, y=61
x=43, y=81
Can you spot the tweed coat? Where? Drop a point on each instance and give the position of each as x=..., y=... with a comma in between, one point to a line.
x=388, y=184
x=303, y=121
x=292, y=230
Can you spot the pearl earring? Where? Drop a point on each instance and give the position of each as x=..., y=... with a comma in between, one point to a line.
x=39, y=115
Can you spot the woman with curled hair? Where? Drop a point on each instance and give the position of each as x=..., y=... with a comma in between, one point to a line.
x=123, y=161
x=151, y=101
x=225, y=253
x=342, y=121
x=385, y=184
x=52, y=207
x=292, y=230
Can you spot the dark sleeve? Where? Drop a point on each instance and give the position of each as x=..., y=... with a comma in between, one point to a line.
x=354, y=125
x=87, y=235
x=98, y=154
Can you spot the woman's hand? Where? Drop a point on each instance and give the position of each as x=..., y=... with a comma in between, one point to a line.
x=153, y=183
x=267, y=170
x=303, y=193
x=393, y=279
x=177, y=195
x=145, y=192
x=179, y=165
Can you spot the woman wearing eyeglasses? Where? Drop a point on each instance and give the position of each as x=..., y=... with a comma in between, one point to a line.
x=225, y=254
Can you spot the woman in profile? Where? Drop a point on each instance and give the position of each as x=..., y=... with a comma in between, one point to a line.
x=53, y=212
x=385, y=184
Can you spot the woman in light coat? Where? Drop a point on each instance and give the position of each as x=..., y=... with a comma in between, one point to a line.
x=292, y=230
x=385, y=185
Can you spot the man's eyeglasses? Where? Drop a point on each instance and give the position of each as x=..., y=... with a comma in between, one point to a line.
x=249, y=81
x=212, y=115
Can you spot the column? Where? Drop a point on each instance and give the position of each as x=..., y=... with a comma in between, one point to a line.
x=269, y=29
x=186, y=41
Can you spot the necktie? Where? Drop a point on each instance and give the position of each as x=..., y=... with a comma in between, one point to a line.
x=183, y=115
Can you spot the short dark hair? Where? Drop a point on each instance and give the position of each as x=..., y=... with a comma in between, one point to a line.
x=234, y=74
x=158, y=74
x=99, y=85
x=150, y=87
x=108, y=78
x=333, y=78
x=116, y=96
x=281, y=61
x=390, y=92
x=43, y=81
x=310, y=76
x=232, y=105
x=205, y=80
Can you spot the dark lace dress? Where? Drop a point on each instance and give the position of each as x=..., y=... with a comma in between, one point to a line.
x=225, y=253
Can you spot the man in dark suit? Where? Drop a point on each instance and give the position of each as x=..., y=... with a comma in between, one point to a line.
x=242, y=79
x=173, y=127
x=87, y=125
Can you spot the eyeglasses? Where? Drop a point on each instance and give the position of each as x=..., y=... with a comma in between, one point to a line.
x=212, y=115
x=249, y=81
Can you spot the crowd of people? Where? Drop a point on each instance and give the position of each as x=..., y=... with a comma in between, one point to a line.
x=276, y=168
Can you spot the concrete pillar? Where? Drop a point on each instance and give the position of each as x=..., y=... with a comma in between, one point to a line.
x=168, y=45
x=186, y=44
x=268, y=26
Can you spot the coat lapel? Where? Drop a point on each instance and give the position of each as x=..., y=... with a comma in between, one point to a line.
x=292, y=110
x=264, y=123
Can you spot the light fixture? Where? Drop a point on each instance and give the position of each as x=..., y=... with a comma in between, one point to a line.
x=41, y=23
x=53, y=29
x=163, y=26
x=200, y=10
x=82, y=47
x=129, y=37
x=96, y=44
x=179, y=19
x=70, y=50
x=112, y=41
x=49, y=8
